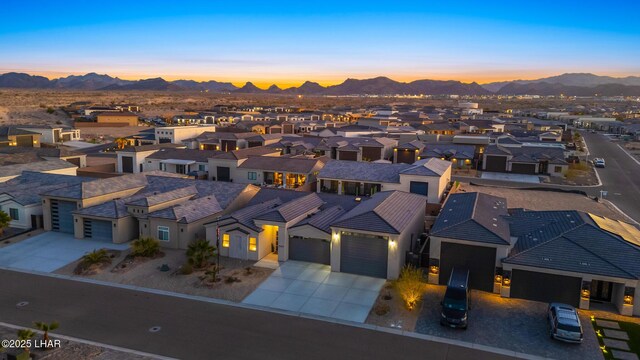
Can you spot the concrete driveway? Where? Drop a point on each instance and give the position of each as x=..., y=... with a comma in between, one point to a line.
x=512, y=324
x=49, y=251
x=313, y=289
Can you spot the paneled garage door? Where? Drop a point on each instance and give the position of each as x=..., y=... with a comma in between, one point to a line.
x=61, y=217
x=523, y=168
x=309, y=249
x=543, y=287
x=364, y=254
x=480, y=261
x=496, y=163
x=98, y=230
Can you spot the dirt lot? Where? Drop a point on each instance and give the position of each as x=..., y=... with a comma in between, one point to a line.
x=547, y=200
x=68, y=349
x=148, y=275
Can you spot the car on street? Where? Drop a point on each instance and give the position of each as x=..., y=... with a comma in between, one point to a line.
x=599, y=162
x=455, y=305
x=564, y=323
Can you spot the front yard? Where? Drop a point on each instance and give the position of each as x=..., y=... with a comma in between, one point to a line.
x=238, y=278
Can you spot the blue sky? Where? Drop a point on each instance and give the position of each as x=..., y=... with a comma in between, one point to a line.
x=288, y=42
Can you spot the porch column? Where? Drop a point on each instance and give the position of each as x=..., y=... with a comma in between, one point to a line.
x=319, y=185
x=284, y=179
x=339, y=187
x=361, y=191
x=585, y=294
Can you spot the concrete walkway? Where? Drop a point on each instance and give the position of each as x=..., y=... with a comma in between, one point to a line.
x=313, y=289
x=50, y=251
x=529, y=179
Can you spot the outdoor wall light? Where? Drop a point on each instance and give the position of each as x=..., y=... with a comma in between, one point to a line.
x=434, y=269
x=628, y=299
x=498, y=279
x=506, y=282
x=585, y=293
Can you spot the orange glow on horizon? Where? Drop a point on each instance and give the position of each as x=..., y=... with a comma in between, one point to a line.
x=265, y=82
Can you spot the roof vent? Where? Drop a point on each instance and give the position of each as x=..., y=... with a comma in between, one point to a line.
x=535, y=239
x=584, y=263
x=546, y=259
x=445, y=220
x=494, y=219
x=496, y=225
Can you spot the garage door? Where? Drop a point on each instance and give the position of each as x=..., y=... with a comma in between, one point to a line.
x=496, y=163
x=480, y=261
x=557, y=288
x=99, y=230
x=363, y=254
x=61, y=217
x=309, y=249
x=523, y=168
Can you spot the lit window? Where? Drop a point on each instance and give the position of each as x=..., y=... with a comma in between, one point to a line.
x=253, y=244
x=225, y=240
x=163, y=233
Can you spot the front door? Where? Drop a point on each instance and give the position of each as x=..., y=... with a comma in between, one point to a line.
x=601, y=291
x=238, y=247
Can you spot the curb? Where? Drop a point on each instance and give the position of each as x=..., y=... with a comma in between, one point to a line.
x=629, y=155
x=621, y=212
x=400, y=332
x=93, y=343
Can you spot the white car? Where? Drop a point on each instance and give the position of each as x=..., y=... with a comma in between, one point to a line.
x=598, y=162
x=564, y=323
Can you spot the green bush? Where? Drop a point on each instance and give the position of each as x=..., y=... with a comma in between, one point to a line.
x=410, y=286
x=186, y=269
x=199, y=252
x=145, y=247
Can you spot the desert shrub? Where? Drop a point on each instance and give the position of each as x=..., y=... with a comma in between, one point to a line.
x=410, y=286
x=248, y=270
x=381, y=309
x=199, y=252
x=186, y=269
x=231, y=279
x=145, y=247
x=212, y=273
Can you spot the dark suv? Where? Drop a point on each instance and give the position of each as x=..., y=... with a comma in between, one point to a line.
x=455, y=305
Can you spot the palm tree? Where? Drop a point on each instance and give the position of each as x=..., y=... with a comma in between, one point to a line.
x=24, y=335
x=199, y=252
x=121, y=143
x=145, y=247
x=96, y=257
x=5, y=219
x=46, y=328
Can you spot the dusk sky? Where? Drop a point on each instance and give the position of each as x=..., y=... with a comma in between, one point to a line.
x=327, y=41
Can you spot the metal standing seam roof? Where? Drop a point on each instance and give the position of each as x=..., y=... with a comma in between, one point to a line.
x=474, y=217
x=388, y=212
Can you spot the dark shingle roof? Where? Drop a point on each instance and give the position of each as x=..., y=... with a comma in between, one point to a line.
x=387, y=212
x=474, y=217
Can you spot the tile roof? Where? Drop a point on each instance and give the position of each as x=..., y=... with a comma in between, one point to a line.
x=323, y=219
x=288, y=164
x=362, y=171
x=474, y=217
x=389, y=212
x=40, y=166
x=245, y=153
x=25, y=188
x=184, y=154
x=449, y=151
x=156, y=198
x=143, y=148
x=246, y=215
x=292, y=209
x=529, y=154
x=428, y=167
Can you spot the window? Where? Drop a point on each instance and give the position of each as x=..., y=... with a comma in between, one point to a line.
x=13, y=213
x=253, y=244
x=225, y=240
x=557, y=169
x=201, y=167
x=163, y=233
x=252, y=175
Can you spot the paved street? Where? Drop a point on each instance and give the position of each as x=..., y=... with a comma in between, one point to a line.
x=620, y=177
x=199, y=330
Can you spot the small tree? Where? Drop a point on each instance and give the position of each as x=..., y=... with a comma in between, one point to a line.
x=96, y=257
x=25, y=335
x=121, y=143
x=212, y=273
x=42, y=326
x=5, y=219
x=199, y=252
x=145, y=247
x=410, y=286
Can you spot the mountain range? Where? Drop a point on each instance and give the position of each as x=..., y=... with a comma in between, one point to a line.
x=572, y=84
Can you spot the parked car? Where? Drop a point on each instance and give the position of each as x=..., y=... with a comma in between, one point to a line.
x=564, y=323
x=598, y=162
x=455, y=305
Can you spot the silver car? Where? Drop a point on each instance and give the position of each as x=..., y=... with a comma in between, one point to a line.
x=564, y=323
